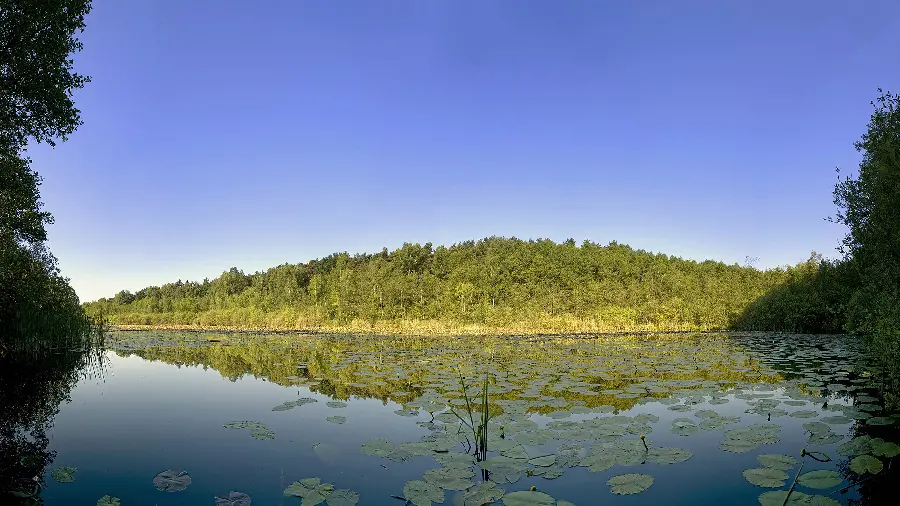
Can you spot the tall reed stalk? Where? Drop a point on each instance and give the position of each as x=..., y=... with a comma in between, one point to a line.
x=479, y=430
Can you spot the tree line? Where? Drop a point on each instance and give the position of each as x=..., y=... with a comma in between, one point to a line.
x=513, y=284
x=495, y=282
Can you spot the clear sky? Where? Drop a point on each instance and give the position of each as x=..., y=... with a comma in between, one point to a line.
x=233, y=133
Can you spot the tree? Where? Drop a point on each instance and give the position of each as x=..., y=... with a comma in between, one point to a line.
x=869, y=205
x=37, y=39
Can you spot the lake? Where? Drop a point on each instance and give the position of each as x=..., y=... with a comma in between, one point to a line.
x=167, y=419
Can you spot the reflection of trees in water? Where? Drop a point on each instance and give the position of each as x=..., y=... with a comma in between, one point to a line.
x=879, y=489
x=849, y=368
x=34, y=380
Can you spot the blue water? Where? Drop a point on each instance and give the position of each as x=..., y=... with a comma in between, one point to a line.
x=140, y=418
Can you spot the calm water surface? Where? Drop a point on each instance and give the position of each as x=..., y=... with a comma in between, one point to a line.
x=162, y=401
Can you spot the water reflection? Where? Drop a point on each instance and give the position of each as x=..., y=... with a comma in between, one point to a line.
x=708, y=405
x=35, y=379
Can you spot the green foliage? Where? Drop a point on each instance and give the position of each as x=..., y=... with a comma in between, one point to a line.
x=36, y=85
x=812, y=299
x=37, y=40
x=493, y=283
x=869, y=205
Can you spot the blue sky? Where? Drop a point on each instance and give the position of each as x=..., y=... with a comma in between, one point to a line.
x=220, y=133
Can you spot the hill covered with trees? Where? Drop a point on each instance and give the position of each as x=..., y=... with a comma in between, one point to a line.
x=494, y=283
x=511, y=285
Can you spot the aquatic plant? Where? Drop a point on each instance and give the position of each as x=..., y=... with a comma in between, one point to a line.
x=479, y=430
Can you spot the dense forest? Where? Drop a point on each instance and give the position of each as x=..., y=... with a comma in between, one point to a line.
x=495, y=283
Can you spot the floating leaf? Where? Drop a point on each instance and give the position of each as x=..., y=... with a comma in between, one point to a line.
x=311, y=490
x=234, y=499
x=422, y=493
x=380, y=447
x=171, y=481
x=336, y=404
x=64, y=474
x=109, y=501
x=866, y=464
x=684, y=427
x=777, y=498
x=886, y=450
x=337, y=419
x=668, y=455
x=820, y=500
x=528, y=498
x=766, y=477
x=481, y=494
x=516, y=452
x=627, y=484
x=449, y=478
x=597, y=462
x=806, y=413
x=777, y=461
x=820, y=479
x=543, y=461
x=342, y=497
x=856, y=446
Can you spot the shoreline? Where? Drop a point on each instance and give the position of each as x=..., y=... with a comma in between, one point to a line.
x=413, y=330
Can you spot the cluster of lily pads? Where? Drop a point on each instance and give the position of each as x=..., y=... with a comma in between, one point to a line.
x=166, y=481
x=581, y=384
x=312, y=491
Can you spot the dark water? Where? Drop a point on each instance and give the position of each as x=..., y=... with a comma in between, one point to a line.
x=153, y=402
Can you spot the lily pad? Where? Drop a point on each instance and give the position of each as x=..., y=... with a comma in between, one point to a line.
x=171, y=481
x=886, y=450
x=63, y=474
x=766, y=477
x=543, y=461
x=668, y=455
x=380, y=447
x=684, y=427
x=857, y=446
x=481, y=494
x=866, y=464
x=820, y=479
x=311, y=490
x=422, y=493
x=109, y=501
x=342, y=497
x=528, y=498
x=337, y=419
x=777, y=461
x=336, y=404
x=234, y=499
x=449, y=478
x=627, y=484
x=777, y=498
